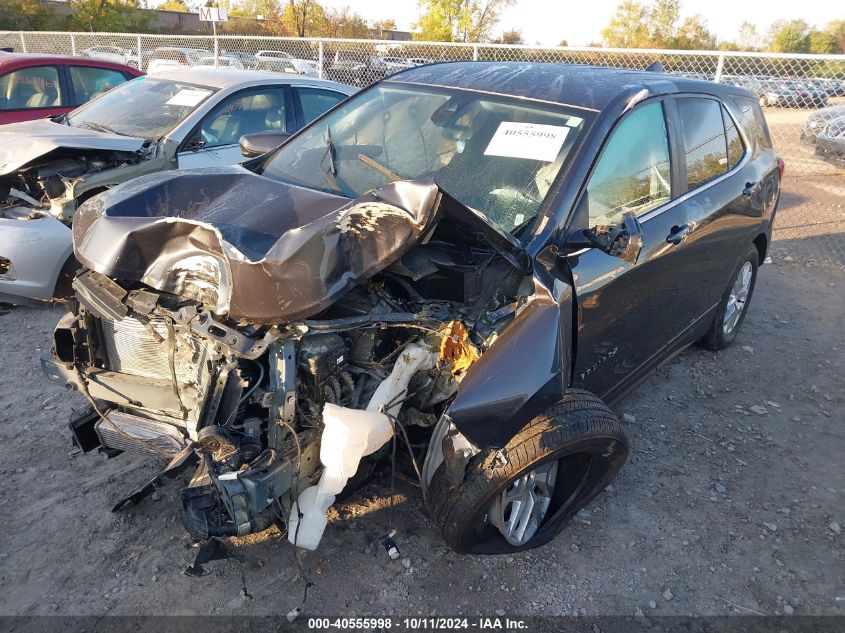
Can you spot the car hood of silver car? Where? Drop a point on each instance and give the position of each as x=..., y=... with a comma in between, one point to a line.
x=25, y=142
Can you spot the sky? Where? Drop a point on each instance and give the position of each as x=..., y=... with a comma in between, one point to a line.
x=547, y=22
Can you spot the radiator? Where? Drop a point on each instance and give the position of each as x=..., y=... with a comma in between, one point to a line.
x=127, y=432
x=132, y=349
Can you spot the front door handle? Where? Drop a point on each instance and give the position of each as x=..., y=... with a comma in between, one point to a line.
x=678, y=233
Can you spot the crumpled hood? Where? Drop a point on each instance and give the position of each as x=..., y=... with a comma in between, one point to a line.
x=22, y=143
x=256, y=249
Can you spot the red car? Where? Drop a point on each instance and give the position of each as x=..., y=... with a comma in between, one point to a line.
x=37, y=86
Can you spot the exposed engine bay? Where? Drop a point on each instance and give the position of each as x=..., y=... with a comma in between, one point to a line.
x=56, y=183
x=281, y=413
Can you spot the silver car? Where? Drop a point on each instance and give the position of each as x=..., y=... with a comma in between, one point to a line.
x=185, y=119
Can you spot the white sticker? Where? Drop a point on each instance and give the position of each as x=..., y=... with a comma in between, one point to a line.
x=527, y=140
x=188, y=97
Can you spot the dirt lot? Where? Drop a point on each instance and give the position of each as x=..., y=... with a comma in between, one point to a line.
x=720, y=509
x=811, y=219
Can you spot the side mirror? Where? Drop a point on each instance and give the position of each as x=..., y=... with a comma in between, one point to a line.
x=623, y=240
x=253, y=145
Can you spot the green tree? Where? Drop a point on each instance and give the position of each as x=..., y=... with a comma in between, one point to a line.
x=109, y=15
x=385, y=25
x=461, y=20
x=837, y=29
x=173, y=5
x=663, y=18
x=513, y=36
x=823, y=43
x=629, y=26
x=24, y=15
x=693, y=34
x=303, y=17
x=343, y=23
x=791, y=36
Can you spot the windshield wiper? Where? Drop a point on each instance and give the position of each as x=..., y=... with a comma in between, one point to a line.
x=330, y=151
x=99, y=127
x=332, y=171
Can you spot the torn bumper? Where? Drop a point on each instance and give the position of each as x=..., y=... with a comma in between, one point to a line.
x=32, y=253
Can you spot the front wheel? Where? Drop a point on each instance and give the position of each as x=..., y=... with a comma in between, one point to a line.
x=734, y=304
x=522, y=497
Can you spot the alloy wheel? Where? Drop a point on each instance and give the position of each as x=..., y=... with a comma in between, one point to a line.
x=738, y=298
x=520, y=509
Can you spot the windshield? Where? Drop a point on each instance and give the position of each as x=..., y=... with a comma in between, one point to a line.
x=494, y=154
x=144, y=107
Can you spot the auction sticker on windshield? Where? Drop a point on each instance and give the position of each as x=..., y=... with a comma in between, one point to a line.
x=188, y=97
x=534, y=141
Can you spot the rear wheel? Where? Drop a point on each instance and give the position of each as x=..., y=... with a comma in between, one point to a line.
x=734, y=304
x=523, y=496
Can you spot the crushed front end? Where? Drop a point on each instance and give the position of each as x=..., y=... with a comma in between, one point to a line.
x=368, y=338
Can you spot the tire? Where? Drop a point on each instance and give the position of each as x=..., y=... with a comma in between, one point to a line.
x=580, y=438
x=717, y=336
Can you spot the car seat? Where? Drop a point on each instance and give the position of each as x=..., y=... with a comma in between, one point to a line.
x=262, y=113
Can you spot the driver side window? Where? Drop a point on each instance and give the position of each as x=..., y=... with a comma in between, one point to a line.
x=244, y=113
x=633, y=173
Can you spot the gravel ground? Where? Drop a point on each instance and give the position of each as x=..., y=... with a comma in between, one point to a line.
x=732, y=502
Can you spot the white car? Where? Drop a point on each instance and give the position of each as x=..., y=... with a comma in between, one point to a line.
x=397, y=63
x=169, y=58
x=420, y=61
x=296, y=65
x=223, y=61
x=177, y=120
x=113, y=54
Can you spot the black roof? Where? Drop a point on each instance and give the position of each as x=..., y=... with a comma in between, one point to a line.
x=592, y=87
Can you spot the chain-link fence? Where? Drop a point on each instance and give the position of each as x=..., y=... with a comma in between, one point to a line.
x=799, y=94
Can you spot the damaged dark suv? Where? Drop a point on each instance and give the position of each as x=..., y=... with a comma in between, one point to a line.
x=470, y=259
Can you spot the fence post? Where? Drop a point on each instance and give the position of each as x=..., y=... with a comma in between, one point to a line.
x=320, y=59
x=23, y=42
x=720, y=68
x=73, y=44
x=475, y=53
x=140, y=54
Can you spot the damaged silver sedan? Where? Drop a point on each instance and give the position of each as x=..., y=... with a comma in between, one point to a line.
x=192, y=118
x=417, y=266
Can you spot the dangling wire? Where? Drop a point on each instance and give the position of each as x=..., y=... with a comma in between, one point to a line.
x=294, y=503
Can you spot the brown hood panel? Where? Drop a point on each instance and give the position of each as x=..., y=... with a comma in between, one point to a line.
x=258, y=250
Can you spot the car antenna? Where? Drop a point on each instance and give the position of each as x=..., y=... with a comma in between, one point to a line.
x=655, y=67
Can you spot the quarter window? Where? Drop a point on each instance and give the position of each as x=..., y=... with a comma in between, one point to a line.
x=633, y=173
x=30, y=88
x=704, y=140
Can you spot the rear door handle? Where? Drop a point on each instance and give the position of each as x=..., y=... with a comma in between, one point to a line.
x=750, y=189
x=678, y=233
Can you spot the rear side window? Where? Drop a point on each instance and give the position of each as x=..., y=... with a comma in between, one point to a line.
x=626, y=180
x=89, y=82
x=705, y=146
x=750, y=117
x=736, y=150
x=30, y=88
x=315, y=101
